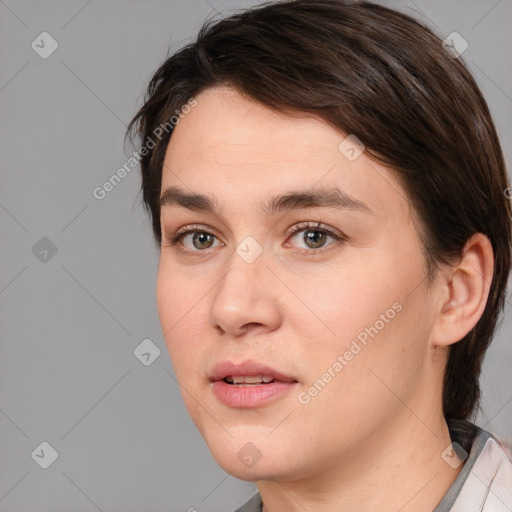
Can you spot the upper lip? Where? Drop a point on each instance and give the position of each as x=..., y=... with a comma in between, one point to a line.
x=247, y=368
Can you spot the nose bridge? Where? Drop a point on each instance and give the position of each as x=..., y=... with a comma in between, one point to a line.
x=243, y=295
x=246, y=265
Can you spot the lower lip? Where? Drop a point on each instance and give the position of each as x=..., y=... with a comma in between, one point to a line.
x=252, y=395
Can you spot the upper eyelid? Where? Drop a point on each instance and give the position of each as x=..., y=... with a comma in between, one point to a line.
x=297, y=227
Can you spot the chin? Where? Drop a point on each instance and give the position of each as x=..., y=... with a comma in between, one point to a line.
x=240, y=458
x=245, y=461
x=247, y=474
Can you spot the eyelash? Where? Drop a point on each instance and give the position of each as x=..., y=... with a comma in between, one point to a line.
x=175, y=237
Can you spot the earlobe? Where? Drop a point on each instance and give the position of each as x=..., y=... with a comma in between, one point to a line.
x=465, y=293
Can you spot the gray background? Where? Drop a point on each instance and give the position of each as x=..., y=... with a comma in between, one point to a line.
x=70, y=321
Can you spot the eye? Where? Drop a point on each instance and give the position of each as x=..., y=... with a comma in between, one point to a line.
x=314, y=237
x=197, y=237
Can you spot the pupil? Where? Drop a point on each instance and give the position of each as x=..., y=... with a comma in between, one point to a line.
x=316, y=237
x=204, y=240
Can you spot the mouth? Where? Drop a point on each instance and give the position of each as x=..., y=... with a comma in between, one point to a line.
x=249, y=384
x=247, y=373
x=247, y=380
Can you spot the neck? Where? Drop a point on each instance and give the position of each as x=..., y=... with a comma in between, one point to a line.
x=399, y=468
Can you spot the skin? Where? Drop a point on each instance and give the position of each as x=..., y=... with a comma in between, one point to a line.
x=372, y=439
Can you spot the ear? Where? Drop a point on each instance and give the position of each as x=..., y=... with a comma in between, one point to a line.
x=464, y=291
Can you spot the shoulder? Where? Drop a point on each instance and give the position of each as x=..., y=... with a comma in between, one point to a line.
x=485, y=481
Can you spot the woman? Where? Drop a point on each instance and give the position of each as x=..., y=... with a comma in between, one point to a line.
x=328, y=193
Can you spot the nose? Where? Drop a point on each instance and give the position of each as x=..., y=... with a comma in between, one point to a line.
x=246, y=297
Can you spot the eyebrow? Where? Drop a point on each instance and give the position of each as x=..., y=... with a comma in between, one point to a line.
x=322, y=198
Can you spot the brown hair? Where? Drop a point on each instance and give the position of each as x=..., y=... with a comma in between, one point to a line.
x=384, y=77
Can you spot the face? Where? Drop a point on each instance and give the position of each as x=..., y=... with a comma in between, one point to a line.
x=302, y=265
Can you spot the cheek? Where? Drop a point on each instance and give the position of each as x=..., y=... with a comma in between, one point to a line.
x=362, y=378
x=167, y=301
x=339, y=303
x=176, y=296
x=180, y=316
x=365, y=312
x=185, y=354
x=181, y=313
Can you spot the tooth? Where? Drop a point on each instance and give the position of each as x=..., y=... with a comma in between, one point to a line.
x=249, y=379
x=253, y=380
x=243, y=379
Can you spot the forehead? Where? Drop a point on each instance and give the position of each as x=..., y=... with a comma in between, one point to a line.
x=226, y=125
x=238, y=150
